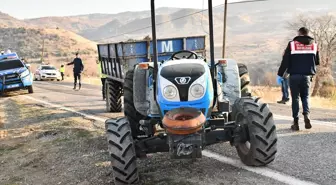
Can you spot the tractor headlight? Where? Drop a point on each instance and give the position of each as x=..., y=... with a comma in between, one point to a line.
x=169, y=92
x=24, y=73
x=197, y=91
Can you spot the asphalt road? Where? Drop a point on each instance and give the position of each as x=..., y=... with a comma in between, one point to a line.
x=305, y=157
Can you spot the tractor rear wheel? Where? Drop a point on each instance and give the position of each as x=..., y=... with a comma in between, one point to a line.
x=122, y=151
x=113, y=95
x=259, y=131
x=130, y=112
x=244, y=80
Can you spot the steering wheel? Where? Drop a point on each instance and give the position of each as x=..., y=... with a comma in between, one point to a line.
x=184, y=54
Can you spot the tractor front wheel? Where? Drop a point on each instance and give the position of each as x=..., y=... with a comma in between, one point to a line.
x=256, y=120
x=122, y=151
x=113, y=95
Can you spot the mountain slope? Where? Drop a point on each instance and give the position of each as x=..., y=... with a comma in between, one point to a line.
x=9, y=21
x=60, y=46
x=85, y=23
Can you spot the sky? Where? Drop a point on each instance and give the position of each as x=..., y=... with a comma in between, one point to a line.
x=24, y=9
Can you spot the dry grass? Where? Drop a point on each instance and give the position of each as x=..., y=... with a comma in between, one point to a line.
x=273, y=94
x=48, y=146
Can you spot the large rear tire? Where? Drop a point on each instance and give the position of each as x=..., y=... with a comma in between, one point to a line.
x=113, y=96
x=122, y=151
x=130, y=112
x=244, y=81
x=260, y=131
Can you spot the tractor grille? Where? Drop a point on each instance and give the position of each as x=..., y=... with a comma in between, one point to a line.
x=202, y=110
x=188, y=70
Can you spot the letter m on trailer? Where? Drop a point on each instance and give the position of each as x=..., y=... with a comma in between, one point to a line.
x=167, y=46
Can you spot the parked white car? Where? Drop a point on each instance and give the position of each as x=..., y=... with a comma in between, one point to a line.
x=47, y=72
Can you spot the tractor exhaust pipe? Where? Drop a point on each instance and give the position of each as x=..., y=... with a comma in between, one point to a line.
x=212, y=51
x=155, y=58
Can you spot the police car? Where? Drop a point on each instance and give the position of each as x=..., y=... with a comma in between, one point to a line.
x=14, y=74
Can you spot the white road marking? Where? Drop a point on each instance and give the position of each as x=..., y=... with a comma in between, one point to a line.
x=66, y=109
x=67, y=86
x=264, y=171
x=324, y=123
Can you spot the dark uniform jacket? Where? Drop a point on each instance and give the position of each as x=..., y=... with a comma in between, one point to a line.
x=78, y=65
x=301, y=57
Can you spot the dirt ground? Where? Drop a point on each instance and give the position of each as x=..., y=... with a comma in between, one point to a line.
x=44, y=146
x=39, y=145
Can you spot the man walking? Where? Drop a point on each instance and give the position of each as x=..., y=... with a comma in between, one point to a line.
x=62, y=71
x=300, y=60
x=77, y=70
x=103, y=79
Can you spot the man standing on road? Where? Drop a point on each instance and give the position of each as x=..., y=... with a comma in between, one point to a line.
x=62, y=71
x=77, y=70
x=103, y=79
x=300, y=60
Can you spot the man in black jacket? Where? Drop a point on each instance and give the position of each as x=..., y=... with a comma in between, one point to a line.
x=300, y=60
x=77, y=70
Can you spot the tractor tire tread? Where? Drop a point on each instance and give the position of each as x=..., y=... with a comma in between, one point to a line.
x=114, y=93
x=245, y=80
x=262, y=131
x=122, y=151
x=130, y=112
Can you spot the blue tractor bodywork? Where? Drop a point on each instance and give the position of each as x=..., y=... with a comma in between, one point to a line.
x=14, y=74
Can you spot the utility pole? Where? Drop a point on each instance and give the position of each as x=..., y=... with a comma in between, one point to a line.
x=42, y=51
x=224, y=29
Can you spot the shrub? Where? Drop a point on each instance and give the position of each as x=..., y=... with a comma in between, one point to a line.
x=327, y=91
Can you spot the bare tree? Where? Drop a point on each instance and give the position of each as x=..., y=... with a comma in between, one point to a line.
x=323, y=29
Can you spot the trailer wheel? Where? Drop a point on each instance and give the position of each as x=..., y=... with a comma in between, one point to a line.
x=122, y=151
x=259, y=131
x=113, y=95
x=244, y=80
x=130, y=112
x=30, y=90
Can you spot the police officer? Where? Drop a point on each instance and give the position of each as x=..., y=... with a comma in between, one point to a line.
x=62, y=71
x=103, y=79
x=300, y=60
x=77, y=70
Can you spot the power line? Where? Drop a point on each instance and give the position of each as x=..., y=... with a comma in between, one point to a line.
x=157, y=24
x=197, y=12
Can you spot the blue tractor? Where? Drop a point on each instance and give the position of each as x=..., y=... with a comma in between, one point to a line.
x=183, y=104
x=14, y=74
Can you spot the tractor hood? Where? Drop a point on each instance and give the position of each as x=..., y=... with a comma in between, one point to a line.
x=183, y=73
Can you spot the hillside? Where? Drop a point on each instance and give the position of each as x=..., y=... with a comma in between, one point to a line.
x=82, y=23
x=9, y=21
x=59, y=45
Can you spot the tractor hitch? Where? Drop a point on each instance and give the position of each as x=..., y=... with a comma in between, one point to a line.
x=191, y=145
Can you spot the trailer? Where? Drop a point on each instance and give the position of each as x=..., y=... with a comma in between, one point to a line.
x=117, y=58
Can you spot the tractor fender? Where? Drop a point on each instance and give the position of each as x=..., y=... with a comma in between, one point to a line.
x=141, y=90
x=231, y=80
